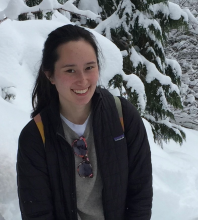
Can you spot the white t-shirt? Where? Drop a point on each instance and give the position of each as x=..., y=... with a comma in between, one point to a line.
x=78, y=129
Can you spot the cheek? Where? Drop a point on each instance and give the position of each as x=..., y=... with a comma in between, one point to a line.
x=62, y=82
x=95, y=78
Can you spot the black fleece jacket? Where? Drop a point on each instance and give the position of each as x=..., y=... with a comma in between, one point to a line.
x=46, y=174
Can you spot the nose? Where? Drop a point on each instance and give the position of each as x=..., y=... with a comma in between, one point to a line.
x=81, y=77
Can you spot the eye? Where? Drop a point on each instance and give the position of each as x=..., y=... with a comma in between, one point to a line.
x=70, y=71
x=89, y=67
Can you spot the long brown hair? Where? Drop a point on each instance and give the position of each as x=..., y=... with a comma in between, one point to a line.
x=44, y=91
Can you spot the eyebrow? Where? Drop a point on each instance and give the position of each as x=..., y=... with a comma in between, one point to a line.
x=72, y=65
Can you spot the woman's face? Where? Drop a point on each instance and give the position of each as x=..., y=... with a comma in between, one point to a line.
x=76, y=73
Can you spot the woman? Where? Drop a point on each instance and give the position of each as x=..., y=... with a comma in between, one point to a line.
x=82, y=171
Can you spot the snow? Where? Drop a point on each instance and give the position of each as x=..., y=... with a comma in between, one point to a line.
x=172, y=10
x=16, y=7
x=163, y=101
x=175, y=176
x=114, y=21
x=175, y=66
x=124, y=53
x=136, y=59
x=190, y=16
x=3, y=4
x=69, y=6
x=175, y=168
x=176, y=12
x=94, y=7
x=145, y=22
x=136, y=84
x=153, y=73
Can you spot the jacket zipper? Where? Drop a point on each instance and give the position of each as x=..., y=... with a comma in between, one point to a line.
x=73, y=195
x=96, y=148
x=103, y=191
x=74, y=199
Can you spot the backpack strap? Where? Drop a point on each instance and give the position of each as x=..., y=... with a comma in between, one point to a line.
x=119, y=108
x=39, y=124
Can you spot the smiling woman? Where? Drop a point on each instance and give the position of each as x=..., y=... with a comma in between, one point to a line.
x=75, y=78
x=83, y=166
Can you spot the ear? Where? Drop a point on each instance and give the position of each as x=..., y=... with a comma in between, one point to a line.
x=47, y=74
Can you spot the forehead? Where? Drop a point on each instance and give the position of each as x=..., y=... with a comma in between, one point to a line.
x=74, y=50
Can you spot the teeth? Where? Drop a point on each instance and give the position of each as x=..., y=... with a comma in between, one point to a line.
x=81, y=91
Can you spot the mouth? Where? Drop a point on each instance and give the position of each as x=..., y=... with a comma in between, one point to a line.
x=80, y=91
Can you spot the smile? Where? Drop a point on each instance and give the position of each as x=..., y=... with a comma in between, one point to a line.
x=81, y=91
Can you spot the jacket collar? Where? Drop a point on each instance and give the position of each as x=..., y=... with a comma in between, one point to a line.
x=54, y=110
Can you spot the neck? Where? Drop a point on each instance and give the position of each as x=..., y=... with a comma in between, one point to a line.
x=76, y=115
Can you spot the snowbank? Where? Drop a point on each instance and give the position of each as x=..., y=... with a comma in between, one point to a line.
x=175, y=169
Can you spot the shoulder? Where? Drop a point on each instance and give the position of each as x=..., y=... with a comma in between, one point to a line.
x=129, y=110
x=29, y=128
x=30, y=137
x=104, y=93
x=128, y=107
x=131, y=116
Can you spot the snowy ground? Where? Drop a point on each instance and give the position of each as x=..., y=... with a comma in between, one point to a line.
x=175, y=168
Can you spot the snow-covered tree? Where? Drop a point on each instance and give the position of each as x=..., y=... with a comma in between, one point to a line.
x=183, y=46
x=139, y=29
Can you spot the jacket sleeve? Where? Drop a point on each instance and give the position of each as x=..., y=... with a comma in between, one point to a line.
x=35, y=197
x=140, y=191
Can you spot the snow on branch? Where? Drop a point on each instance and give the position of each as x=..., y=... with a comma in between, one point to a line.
x=17, y=7
x=153, y=73
x=135, y=84
x=175, y=66
x=170, y=10
x=191, y=16
x=192, y=19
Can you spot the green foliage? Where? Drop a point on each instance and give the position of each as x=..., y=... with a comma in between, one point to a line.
x=117, y=35
x=162, y=132
x=167, y=24
x=132, y=96
x=142, y=5
x=48, y=15
x=91, y=23
x=174, y=77
x=108, y=7
x=155, y=100
x=147, y=45
x=141, y=29
x=38, y=15
x=174, y=99
x=32, y=3
x=128, y=67
x=23, y=17
x=117, y=82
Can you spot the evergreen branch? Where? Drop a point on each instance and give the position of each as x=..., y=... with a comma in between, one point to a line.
x=49, y=10
x=73, y=12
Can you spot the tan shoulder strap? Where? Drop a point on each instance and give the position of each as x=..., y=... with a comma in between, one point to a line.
x=119, y=108
x=39, y=124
